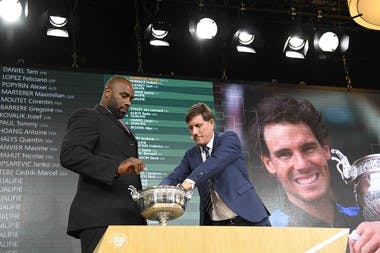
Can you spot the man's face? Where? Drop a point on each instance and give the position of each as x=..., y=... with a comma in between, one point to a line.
x=120, y=96
x=298, y=160
x=201, y=130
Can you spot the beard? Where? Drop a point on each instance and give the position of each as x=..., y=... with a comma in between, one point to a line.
x=115, y=109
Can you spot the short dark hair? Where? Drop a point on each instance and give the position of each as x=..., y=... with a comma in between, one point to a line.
x=282, y=108
x=199, y=109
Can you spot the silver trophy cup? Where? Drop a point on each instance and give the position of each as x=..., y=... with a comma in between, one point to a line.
x=364, y=173
x=161, y=203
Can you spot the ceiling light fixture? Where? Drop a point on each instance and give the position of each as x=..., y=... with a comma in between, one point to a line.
x=158, y=33
x=246, y=36
x=57, y=27
x=59, y=19
x=328, y=43
x=54, y=25
x=206, y=28
x=296, y=47
x=365, y=13
x=203, y=26
x=297, y=44
x=11, y=11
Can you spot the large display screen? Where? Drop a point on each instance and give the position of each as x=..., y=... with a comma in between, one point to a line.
x=36, y=192
x=289, y=179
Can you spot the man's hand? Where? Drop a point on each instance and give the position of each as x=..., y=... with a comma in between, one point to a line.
x=187, y=185
x=369, y=240
x=131, y=165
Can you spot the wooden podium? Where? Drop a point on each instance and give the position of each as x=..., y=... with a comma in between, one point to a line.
x=222, y=239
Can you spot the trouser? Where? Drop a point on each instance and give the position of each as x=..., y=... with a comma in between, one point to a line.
x=90, y=237
x=239, y=221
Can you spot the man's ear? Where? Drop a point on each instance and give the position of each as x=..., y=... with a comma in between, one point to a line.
x=268, y=164
x=107, y=91
x=326, y=149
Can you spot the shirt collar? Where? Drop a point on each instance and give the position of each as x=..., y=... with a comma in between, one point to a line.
x=105, y=108
x=210, y=144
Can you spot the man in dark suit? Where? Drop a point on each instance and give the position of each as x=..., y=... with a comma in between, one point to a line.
x=215, y=165
x=100, y=148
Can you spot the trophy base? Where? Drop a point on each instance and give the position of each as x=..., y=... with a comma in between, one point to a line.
x=163, y=212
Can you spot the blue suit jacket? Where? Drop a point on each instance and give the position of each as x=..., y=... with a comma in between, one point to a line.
x=227, y=170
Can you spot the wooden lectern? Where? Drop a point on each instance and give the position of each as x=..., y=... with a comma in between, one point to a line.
x=222, y=239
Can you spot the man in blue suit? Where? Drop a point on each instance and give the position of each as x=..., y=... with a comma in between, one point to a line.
x=215, y=165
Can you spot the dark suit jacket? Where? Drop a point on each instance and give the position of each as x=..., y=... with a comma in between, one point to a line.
x=94, y=145
x=227, y=170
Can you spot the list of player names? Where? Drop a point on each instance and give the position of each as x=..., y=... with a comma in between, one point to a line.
x=29, y=102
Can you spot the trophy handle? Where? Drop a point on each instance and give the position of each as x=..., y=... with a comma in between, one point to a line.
x=134, y=193
x=188, y=194
x=343, y=165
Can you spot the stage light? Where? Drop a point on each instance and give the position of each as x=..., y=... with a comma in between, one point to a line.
x=244, y=41
x=203, y=25
x=328, y=43
x=365, y=13
x=59, y=19
x=297, y=43
x=11, y=11
x=57, y=27
x=159, y=31
x=206, y=28
x=158, y=34
x=296, y=46
x=203, y=28
x=54, y=25
x=247, y=37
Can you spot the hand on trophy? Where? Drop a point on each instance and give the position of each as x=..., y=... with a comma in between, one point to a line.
x=131, y=165
x=367, y=239
x=187, y=186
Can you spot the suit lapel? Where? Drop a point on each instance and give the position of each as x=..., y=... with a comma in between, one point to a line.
x=215, y=143
x=195, y=158
x=198, y=155
x=197, y=151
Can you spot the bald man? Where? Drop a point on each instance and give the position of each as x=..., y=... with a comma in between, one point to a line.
x=100, y=148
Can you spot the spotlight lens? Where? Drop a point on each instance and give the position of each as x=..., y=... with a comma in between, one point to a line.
x=294, y=54
x=158, y=33
x=246, y=38
x=206, y=28
x=159, y=43
x=245, y=49
x=328, y=42
x=56, y=32
x=58, y=21
x=296, y=43
x=10, y=10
